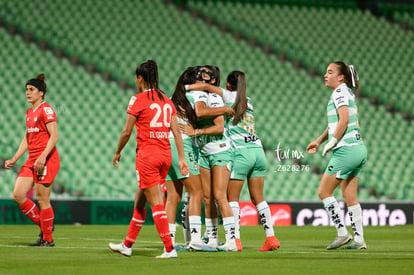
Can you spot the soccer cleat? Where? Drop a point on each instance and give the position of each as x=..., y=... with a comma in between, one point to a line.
x=229, y=246
x=270, y=244
x=213, y=243
x=356, y=245
x=204, y=239
x=120, y=248
x=201, y=246
x=180, y=248
x=166, y=255
x=39, y=240
x=339, y=241
x=239, y=245
x=44, y=243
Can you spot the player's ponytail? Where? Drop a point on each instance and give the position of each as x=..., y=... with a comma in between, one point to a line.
x=237, y=82
x=351, y=78
x=181, y=103
x=39, y=83
x=149, y=72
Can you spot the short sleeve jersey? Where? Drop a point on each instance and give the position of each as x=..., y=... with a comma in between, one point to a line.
x=210, y=144
x=343, y=96
x=153, y=120
x=243, y=134
x=37, y=133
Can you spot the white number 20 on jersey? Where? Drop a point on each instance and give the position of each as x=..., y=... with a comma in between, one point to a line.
x=165, y=112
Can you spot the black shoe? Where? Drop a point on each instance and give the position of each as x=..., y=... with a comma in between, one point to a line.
x=39, y=240
x=46, y=243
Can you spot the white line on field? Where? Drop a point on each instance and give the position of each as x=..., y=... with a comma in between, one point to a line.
x=372, y=253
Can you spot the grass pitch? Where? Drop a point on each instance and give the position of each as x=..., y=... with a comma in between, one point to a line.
x=83, y=250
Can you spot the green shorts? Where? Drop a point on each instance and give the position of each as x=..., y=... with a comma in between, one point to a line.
x=248, y=163
x=347, y=161
x=191, y=157
x=220, y=159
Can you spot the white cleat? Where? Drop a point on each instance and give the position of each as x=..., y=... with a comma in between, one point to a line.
x=213, y=243
x=166, y=255
x=201, y=246
x=120, y=248
x=229, y=246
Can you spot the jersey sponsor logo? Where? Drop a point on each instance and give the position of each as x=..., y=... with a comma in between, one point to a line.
x=340, y=100
x=131, y=101
x=338, y=90
x=214, y=104
x=33, y=130
x=250, y=138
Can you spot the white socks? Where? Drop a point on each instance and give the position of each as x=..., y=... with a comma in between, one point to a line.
x=173, y=228
x=236, y=214
x=332, y=207
x=355, y=215
x=229, y=228
x=211, y=229
x=195, y=228
x=265, y=218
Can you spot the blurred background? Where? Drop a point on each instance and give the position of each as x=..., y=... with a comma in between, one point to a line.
x=89, y=50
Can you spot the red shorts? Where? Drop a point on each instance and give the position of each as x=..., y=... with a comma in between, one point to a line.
x=152, y=167
x=49, y=172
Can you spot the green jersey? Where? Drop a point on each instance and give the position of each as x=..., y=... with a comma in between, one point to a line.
x=210, y=144
x=243, y=134
x=343, y=96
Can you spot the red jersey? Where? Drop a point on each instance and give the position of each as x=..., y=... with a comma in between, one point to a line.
x=37, y=134
x=153, y=119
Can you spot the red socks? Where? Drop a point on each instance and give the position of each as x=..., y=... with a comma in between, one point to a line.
x=161, y=223
x=135, y=226
x=30, y=209
x=46, y=223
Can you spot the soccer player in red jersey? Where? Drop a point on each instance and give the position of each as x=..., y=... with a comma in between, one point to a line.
x=41, y=168
x=154, y=115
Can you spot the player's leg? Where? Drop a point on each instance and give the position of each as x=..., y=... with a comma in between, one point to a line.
x=220, y=177
x=349, y=191
x=174, y=192
x=47, y=215
x=135, y=225
x=233, y=193
x=325, y=191
x=22, y=186
x=154, y=197
x=185, y=219
x=256, y=185
x=194, y=188
x=211, y=219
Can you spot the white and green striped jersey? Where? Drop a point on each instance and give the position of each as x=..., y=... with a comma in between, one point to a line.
x=210, y=144
x=343, y=96
x=243, y=134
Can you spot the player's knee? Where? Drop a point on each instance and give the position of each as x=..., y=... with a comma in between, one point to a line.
x=19, y=197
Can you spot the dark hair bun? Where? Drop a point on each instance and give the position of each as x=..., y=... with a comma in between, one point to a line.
x=41, y=77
